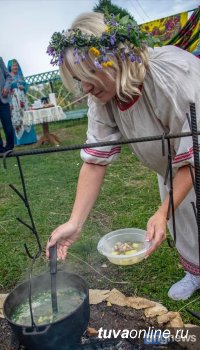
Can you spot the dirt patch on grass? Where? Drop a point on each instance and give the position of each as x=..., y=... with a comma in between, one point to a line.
x=64, y=134
x=102, y=219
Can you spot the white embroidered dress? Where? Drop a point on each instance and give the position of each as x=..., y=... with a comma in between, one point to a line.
x=172, y=81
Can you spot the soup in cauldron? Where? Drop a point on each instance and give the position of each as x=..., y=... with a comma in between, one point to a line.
x=68, y=300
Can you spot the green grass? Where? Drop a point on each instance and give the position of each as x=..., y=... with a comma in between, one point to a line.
x=128, y=198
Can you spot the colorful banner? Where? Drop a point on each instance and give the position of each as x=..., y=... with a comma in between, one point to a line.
x=189, y=36
x=177, y=30
x=165, y=28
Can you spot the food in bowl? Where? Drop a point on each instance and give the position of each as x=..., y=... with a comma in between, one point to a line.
x=124, y=246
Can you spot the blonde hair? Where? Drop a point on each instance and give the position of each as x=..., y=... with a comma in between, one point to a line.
x=128, y=75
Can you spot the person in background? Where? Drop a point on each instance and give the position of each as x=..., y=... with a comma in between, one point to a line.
x=19, y=103
x=134, y=91
x=5, y=115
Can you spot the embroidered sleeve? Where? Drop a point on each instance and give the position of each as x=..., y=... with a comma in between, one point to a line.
x=184, y=151
x=101, y=128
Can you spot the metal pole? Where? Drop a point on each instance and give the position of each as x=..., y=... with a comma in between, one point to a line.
x=196, y=167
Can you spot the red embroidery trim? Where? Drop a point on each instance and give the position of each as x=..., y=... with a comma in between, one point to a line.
x=102, y=154
x=190, y=267
x=123, y=106
x=184, y=156
x=126, y=106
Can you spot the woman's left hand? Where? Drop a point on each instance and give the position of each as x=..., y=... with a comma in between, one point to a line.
x=156, y=231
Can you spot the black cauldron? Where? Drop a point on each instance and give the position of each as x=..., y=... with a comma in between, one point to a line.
x=63, y=334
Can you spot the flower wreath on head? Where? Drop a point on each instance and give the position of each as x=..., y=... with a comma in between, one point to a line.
x=121, y=36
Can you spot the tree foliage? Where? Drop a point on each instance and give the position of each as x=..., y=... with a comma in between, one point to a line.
x=105, y=6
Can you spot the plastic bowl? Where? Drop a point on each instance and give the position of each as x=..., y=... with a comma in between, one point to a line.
x=134, y=235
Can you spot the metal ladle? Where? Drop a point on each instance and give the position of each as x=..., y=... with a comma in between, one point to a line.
x=53, y=272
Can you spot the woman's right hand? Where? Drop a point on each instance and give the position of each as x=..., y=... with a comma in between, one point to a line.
x=64, y=235
x=89, y=184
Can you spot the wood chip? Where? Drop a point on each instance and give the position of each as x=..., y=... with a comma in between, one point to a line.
x=1, y=313
x=2, y=299
x=96, y=296
x=190, y=325
x=117, y=298
x=156, y=310
x=173, y=314
x=162, y=319
x=104, y=265
x=91, y=332
x=139, y=303
x=177, y=322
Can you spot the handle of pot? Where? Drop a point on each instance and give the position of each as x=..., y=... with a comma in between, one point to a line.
x=53, y=259
x=32, y=331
